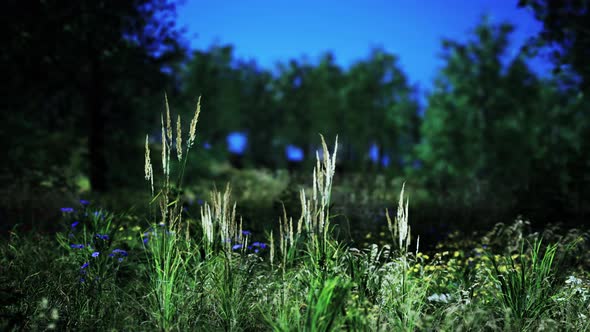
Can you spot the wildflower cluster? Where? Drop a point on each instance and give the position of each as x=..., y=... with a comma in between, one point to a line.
x=90, y=242
x=255, y=247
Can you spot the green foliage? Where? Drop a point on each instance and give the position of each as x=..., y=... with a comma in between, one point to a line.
x=487, y=123
x=473, y=110
x=527, y=283
x=326, y=303
x=374, y=288
x=565, y=32
x=372, y=101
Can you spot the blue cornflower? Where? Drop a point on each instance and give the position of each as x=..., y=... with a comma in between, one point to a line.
x=260, y=245
x=121, y=252
x=85, y=265
x=236, y=247
x=95, y=254
x=77, y=246
x=84, y=202
x=246, y=233
x=200, y=201
x=82, y=280
x=102, y=236
x=120, y=259
x=75, y=223
x=67, y=209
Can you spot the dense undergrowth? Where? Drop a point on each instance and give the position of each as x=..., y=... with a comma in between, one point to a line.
x=200, y=267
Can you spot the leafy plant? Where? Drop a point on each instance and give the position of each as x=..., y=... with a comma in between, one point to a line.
x=527, y=282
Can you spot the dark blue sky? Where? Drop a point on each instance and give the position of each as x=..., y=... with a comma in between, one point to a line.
x=271, y=31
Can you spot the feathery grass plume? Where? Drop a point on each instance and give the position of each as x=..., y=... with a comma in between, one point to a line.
x=315, y=214
x=218, y=220
x=282, y=245
x=149, y=171
x=328, y=171
x=288, y=228
x=178, y=139
x=400, y=229
x=207, y=224
x=164, y=149
x=168, y=120
x=168, y=253
x=271, y=242
x=193, y=127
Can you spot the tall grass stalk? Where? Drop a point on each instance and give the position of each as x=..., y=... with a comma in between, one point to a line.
x=404, y=294
x=168, y=271
x=221, y=231
x=315, y=210
x=167, y=253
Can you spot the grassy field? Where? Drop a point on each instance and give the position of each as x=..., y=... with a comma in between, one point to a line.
x=192, y=264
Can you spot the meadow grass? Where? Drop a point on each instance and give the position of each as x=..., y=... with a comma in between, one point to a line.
x=184, y=270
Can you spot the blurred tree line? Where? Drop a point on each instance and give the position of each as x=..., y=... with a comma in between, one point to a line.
x=84, y=83
x=78, y=80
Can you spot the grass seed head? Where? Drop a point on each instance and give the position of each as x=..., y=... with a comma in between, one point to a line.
x=149, y=171
x=272, y=248
x=193, y=127
x=168, y=121
x=178, y=139
x=164, y=149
